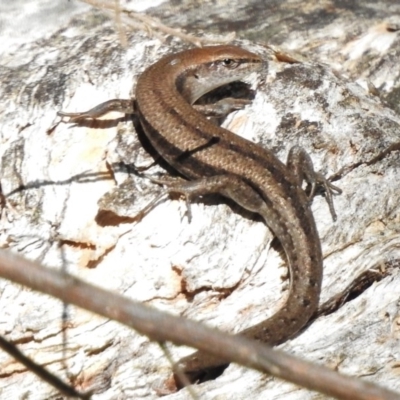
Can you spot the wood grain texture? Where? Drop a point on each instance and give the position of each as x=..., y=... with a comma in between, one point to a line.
x=223, y=268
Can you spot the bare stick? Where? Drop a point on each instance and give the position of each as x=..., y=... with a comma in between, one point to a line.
x=40, y=371
x=152, y=25
x=160, y=326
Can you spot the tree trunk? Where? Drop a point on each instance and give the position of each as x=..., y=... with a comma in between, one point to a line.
x=70, y=200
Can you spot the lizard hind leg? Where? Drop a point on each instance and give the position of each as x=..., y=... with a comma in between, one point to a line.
x=229, y=186
x=300, y=163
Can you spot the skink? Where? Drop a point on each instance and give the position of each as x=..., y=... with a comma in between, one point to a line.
x=217, y=161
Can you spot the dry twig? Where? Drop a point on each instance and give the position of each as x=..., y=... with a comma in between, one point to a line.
x=160, y=326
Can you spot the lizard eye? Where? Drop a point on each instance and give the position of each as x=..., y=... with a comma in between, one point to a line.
x=230, y=63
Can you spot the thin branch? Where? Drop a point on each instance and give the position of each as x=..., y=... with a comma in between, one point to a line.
x=160, y=326
x=151, y=25
x=40, y=371
x=121, y=31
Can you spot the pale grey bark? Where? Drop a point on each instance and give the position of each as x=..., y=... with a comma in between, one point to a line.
x=68, y=198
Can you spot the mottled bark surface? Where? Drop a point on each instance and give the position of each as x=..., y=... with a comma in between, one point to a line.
x=70, y=200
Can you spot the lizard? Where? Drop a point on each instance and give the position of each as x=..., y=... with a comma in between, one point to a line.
x=215, y=160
